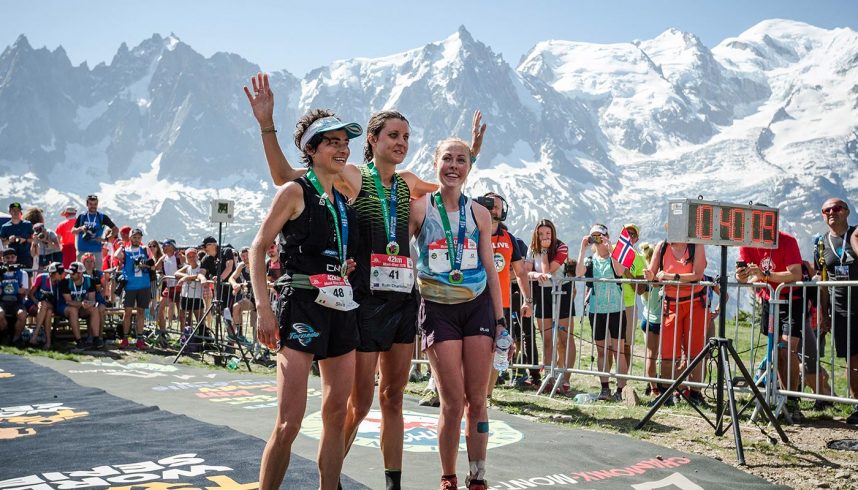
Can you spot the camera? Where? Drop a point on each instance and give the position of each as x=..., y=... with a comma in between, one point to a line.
x=121, y=282
x=486, y=202
x=594, y=239
x=140, y=261
x=88, y=234
x=4, y=268
x=741, y=264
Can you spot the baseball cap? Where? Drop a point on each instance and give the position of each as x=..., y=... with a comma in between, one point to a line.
x=330, y=123
x=76, y=267
x=10, y=251
x=137, y=231
x=169, y=242
x=55, y=267
x=125, y=229
x=209, y=240
x=633, y=227
x=69, y=210
x=13, y=205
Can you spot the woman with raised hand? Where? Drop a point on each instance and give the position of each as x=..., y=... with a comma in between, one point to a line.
x=315, y=315
x=460, y=308
x=384, y=282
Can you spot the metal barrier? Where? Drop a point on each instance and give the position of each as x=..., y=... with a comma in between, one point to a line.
x=801, y=346
x=616, y=338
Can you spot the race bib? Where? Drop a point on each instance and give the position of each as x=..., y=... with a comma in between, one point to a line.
x=439, y=260
x=335, y=292
x=391, y=273
x=841, y=272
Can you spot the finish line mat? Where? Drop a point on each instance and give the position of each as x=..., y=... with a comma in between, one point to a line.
x=522, y=454
x=55, y=434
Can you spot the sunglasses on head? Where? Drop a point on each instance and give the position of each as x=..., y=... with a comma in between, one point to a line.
x=833, y=209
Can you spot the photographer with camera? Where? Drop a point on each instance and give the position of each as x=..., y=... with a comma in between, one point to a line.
x=219, y=261
x=135, y=273
x=507, y=257
x=77, y=300
x=14, y=285
x=46, y=246
x=89, y=228
x=44, y=295
x=17, y=234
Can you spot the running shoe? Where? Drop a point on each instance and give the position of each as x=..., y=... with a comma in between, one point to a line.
x=667, y=403
x=820, y=405
x=605, y=394
x=794, y=411
x=618, y=395
x=97, y=343
x=430, y=399
x=449, y=483
x=80, y=344
x=696, y=398
x=141, y=344
x=124, y=343
x=853, y=417
x=477, y=485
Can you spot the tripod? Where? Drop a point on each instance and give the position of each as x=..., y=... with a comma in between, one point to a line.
x=216, y=309
x=722, y=348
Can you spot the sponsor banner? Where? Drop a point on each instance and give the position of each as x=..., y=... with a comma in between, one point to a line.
x=250, y=394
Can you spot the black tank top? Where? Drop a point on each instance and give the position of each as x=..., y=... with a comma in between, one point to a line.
x=372, y=231
x=308, y=243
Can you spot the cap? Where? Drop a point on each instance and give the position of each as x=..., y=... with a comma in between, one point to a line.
x=10, y=251
x=14, y=205
x=633, y=227
x=209, y=240
x=55, y=267
x=169, y=242
x=330, y=123
x=599, y=229
x=137, y=231
x=76, y=267
x=191, y=251
x=68, y=211
x=125, y=229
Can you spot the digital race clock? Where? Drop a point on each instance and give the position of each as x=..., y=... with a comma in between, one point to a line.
x=721, y=223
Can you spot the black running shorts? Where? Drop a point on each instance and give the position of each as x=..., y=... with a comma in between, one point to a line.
x=439, y=322
x=384, y=322
x=309, y=327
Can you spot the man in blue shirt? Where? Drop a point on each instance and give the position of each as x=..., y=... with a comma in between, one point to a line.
x=17, y=234
x=89, y=228
x=135, y=268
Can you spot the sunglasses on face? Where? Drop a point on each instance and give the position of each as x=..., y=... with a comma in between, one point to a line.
x=833, y=209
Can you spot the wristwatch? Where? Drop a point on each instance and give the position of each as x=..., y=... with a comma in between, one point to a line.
x=676, y=277
x=501, y=322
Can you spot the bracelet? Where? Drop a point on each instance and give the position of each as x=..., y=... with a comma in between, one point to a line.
x=528, y=301
x=269, y=129
x=501, y=322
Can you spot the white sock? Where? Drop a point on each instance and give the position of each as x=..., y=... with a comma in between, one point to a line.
x=478, y=470
x=431, y=385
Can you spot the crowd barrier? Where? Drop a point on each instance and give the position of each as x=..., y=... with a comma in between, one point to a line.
x=559, y=335
x=809, y=357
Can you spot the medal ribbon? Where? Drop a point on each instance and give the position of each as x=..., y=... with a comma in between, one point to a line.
x=445, y=222
x=341, y=218
x=388, y=211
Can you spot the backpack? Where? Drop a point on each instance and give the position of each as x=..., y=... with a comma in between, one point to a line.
x=691, y=251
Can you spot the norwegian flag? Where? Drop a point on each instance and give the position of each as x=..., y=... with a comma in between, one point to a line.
x=624, y=252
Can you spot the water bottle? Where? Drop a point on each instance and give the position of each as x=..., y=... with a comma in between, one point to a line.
x=232, y=363
x=502, y=344
x=584, y=398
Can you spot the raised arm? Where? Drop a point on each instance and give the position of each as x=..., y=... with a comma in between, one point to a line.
x=262, y=104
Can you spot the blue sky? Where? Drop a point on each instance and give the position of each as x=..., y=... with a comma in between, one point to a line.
x=299, y=37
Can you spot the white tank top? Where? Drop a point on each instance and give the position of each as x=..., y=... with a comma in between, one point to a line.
x=171, y=265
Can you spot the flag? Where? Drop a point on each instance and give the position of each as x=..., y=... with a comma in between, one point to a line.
x=624, y=252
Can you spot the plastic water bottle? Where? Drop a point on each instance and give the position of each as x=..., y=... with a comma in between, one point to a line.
x=232, y=363
x=584, y=398
x=502, y=344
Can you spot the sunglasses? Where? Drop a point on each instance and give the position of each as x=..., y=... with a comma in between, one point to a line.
x=833, y=209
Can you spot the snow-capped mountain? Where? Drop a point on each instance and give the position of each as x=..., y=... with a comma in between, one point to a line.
x=578, y=132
